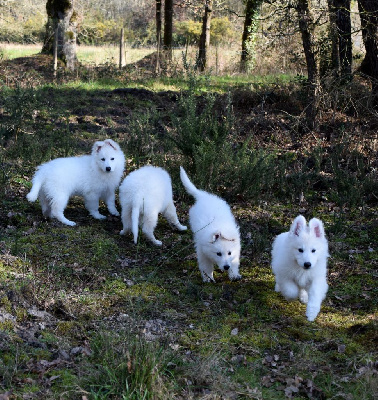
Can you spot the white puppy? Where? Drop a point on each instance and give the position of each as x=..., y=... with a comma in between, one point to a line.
x=299, y=263
x=147, y=192
x=216, y=234
x=93, y=177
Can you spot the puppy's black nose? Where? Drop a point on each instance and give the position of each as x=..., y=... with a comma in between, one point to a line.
x=307, y=265
x=108, y=169
x=226, y=267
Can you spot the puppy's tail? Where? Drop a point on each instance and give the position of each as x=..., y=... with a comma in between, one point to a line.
x=33, y=194
x=135, y=222
x=190, y=188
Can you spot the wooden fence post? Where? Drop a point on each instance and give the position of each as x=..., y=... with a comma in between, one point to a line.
x=122, y=62
x=55, y=50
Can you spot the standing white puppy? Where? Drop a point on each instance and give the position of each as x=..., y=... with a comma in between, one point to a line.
x=93, y=177
x=299, y=263
x=216, y=234
x=145, y=193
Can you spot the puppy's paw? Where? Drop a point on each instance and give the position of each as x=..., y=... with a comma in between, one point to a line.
x=114, y=212
x=182, y=228
x=312, y=313
x=303, y=296
x=70, y=223
x=97, y=215
x=207, y=278
x=157, y=242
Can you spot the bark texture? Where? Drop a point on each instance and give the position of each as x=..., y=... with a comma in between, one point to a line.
x=306, y=25
x=168, y=28
x=251, y=23
x=62, y=19
x=204, y=42
x=368, y=10
x=341, y=37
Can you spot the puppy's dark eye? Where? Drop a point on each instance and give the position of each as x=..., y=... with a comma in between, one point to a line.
x=102, y=159
x=313, y=251
x=229, y=253
x=300, y=250
x=219, y=254
x=112, y=158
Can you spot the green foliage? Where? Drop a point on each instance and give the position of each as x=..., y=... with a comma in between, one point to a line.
x=143, y=138
x=207, y=138
x=221, y=31
x=187, y=32
x=98, y=31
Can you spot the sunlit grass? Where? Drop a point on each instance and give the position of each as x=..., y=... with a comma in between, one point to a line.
x=9, y=51
x=223, y=59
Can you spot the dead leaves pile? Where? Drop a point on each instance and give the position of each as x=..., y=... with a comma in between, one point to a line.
x=291, y=386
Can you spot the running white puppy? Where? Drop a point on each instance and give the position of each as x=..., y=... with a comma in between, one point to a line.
x=93, y=177
x=145, y=193
x=299, y=263
x=216, y=234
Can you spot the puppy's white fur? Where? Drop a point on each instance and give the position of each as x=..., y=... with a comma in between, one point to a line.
x=216, y=234
x=299, y=263
x=145, y=193
x=94, y=177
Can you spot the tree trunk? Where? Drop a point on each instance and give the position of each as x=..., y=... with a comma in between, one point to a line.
x=62, y=19
x=306, y=28
x=168, y=27
x=341, y=36
x=335, y=51
x=368, y=10
x=158, y=35
x=158, y=22
x=251, y=23
x=204, y=42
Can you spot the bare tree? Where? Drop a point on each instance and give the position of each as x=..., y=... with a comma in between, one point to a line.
x=306, y=26
x=341, y=37
x=62, y=21
x=368, y=10
x=168, y=28
x=158, y=33
x=158, y=21
x=204, y=42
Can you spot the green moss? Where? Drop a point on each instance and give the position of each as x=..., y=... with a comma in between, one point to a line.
x=6, y=304
x=70, y=35
x=21, y=315
x=69, y=328
x=7, y=325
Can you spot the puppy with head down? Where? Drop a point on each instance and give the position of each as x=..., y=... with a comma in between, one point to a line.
x=144, y=194
x=216, y=234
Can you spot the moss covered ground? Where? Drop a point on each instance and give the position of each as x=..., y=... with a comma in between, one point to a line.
x=85, y=313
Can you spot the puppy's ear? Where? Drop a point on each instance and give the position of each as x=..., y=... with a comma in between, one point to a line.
x=97, y=147
x=111, y=143
x=316, y=226
x=216, y=236
x=298, y=225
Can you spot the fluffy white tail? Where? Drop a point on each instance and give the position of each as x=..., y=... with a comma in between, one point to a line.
x=190, y=188
x=33, y=194
x=135, y=222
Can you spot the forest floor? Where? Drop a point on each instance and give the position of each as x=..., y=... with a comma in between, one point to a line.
x=85, y=313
